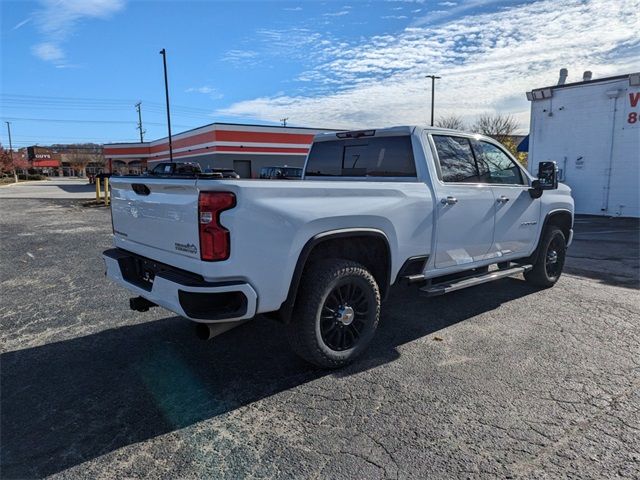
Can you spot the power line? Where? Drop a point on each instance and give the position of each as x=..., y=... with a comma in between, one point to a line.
x=66, y=120
x=39, y=100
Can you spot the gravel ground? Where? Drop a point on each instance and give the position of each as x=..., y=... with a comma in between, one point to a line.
x=500, y=380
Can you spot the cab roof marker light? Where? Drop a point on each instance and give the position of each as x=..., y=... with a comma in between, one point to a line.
x=356, y=134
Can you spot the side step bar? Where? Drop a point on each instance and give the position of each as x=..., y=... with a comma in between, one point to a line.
x=452, y=286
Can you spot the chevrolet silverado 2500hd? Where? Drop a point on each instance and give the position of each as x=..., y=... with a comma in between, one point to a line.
x=436, y=208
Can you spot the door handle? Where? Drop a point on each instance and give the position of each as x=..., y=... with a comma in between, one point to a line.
x=449, y=201
x=502, y=199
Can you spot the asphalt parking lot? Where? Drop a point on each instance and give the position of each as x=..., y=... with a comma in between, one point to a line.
x=501, y=380
x=54, y=188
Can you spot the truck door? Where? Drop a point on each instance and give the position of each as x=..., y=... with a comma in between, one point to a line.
x=517, y=214
x=465, y=208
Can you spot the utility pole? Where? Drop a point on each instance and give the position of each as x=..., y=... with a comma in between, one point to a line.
x=163, y=52
x=433, y=91
x=15, y=174
x=284, y=121
x=142, y=132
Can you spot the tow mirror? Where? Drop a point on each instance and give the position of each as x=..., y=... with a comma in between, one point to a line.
x=547, y=179
x=548, y=175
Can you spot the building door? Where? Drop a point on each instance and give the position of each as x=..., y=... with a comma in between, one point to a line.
x=242, y=168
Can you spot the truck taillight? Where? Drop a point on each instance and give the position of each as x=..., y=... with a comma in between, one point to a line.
x=214, y=238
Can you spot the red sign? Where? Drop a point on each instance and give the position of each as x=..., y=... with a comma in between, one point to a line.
x=46, y=163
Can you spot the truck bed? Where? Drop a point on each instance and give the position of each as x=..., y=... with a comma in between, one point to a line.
x=269, y=225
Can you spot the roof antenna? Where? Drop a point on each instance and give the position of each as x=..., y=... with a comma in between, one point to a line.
x=284, y=121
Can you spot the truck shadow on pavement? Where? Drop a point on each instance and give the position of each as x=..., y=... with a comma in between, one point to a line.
x=68, y=402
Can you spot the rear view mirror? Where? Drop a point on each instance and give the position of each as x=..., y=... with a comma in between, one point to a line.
x=547, y=176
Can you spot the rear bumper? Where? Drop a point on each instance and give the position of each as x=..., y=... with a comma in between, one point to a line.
x=181, y=292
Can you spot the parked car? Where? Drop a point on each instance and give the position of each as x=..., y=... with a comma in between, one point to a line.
x=281, y=173
x=175, y=168
x=224, y=172
x=435, y=208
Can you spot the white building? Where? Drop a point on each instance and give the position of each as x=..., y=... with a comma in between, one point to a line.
x=591, y=129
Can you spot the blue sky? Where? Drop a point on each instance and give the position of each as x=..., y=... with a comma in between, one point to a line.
x=72, y=70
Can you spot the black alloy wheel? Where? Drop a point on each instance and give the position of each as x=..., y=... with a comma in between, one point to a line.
x=336, y=312
x=550, y=260
x=344, y=315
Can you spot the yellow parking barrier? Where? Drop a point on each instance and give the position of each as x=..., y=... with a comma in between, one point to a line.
x=107, y=193
x=98, y=193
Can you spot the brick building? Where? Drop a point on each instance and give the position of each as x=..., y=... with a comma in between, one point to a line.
x=244, y=148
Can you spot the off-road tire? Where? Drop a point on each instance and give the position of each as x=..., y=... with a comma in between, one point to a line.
x=318, y=288
x=545, y=274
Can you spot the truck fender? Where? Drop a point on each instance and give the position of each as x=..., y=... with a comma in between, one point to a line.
x=558, y=218
x=284, y=313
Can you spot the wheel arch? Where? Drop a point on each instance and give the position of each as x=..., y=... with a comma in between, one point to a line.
x=347, y=244
x=561, y=218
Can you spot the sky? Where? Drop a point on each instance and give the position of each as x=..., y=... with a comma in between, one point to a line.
x=73, y=70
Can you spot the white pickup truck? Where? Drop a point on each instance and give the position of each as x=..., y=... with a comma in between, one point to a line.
x=435, y=208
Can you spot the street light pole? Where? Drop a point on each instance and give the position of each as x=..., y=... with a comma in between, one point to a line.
x=433, y=91
x=163, y=52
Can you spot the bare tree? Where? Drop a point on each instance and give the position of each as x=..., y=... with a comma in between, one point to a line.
x=79, y=156
x=502, y=128
x=497, y=126
x=451, y=121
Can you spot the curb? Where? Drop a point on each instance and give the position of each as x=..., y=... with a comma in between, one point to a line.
x=23, y=183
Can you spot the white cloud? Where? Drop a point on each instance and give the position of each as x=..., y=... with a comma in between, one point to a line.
x=292, y=9
x=212, y=92
x=241, y=58
x=56, y=20
x=48, y=52
x=205, y=89
x=394, y=17
x=22, y=23
x=455, y=9
x=487, y=63
x=344, y=11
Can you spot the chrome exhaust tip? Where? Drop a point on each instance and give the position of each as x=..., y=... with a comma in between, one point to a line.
x=207, y=331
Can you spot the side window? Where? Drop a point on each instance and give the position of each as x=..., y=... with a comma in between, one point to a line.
x=456, y=159
x=495, y=166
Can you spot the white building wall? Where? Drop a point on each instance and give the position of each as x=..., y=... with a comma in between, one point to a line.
x=594, y=136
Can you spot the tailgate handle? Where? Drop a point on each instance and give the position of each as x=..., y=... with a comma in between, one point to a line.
x=140, y=188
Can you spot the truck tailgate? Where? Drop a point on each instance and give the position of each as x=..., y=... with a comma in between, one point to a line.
x=157, y=213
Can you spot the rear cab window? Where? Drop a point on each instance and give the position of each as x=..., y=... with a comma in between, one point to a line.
x=390, y=156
